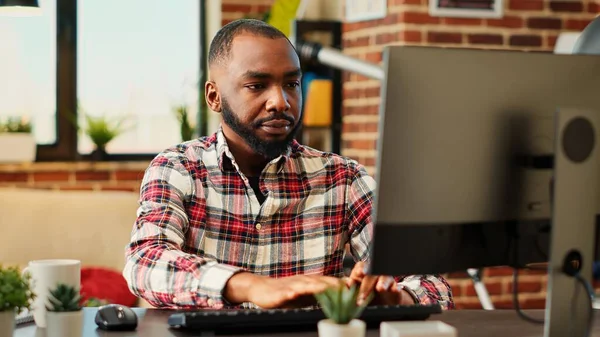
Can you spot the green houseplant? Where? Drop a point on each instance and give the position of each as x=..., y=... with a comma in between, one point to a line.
x=63, y=312
x=16, y=295
x=101, y=131
x=17, y=143
x=185, y=126
x=339, y=304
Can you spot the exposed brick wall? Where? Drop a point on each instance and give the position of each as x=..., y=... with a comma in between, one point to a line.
x=526, y=25
x=74, y=176
x=237, y=9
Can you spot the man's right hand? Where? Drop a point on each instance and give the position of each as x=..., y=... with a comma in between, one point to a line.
x=269, y=293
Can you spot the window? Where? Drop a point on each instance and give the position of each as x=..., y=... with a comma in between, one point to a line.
x=28, y=70
x=137, y=60
x=466, y=8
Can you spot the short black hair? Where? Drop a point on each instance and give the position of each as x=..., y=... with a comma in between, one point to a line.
x=220, y=46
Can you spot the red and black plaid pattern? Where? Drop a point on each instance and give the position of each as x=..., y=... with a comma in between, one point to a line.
x=199, y=222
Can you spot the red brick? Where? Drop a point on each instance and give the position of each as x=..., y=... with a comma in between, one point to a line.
x=120, y=188
x=550, y=42
x=485, y=39
x=493, y=288
x=357, y=42
x=13, y=177
x=359, y=127
x=92, y=175
x=498, y=271
x=503, y=304
x=533, y=303
x=362, y=92
x=593, y=7
x=236, y=8
x=129, y=175
x=410, y=36
x=574, y=24
x=76, y=188
x=366, y=110
x=367, y=161
x=544, y=23
x=506, y=22
x=442, y=37
x=526, y=5
x=566, y=6
x=467, y=305
x=526, y=287
x=417, y=17
x=360, y=144
x=525, y=40
x=462, y=21
x=373, y=57
x=50, y=176
x=385, y=38
x=532, y=271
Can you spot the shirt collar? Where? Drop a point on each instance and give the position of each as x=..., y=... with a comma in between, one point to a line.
x=227, y=161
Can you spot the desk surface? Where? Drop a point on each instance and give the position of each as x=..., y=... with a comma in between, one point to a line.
x=469, y=323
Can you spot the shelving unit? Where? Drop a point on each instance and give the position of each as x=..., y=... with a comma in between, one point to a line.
x=328, y=33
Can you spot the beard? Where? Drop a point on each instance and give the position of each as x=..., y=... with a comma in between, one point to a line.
x=269, y=149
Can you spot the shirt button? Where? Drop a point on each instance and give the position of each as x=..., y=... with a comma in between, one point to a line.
x=175, y=300
x=258, y=226
x=210, y=302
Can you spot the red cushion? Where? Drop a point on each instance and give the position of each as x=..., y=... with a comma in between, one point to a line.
x=107, y=285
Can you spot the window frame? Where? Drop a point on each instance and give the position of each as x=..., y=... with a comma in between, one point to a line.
x=65, y=146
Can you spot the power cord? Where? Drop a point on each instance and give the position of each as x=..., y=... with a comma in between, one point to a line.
x=571, y=269
x=516, y=300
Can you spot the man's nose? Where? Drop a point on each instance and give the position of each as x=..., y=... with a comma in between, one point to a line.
x=278, y=100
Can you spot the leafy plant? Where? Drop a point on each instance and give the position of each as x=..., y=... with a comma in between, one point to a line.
x=340, y=303
x=94, y=302
x=102, y=130
x=186, y=129
x=14, y=124
x=15, y=290
x=63, y=298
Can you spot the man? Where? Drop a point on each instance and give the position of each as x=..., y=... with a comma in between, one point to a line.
x=248, y=217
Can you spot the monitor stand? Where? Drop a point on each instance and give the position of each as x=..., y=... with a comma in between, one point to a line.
x=574, y=203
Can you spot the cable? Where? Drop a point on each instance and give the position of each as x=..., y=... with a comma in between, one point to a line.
x=516, y=300
x=590, y=291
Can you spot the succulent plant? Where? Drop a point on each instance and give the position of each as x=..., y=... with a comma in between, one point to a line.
x=340, y=303
x=15, y=290
x=64, y=298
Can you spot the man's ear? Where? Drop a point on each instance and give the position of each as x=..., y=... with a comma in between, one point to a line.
x=212, y=96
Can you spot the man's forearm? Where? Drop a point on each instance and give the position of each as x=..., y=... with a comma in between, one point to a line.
x=238, y=286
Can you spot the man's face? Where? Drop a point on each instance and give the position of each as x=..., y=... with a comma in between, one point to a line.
x=259, y=93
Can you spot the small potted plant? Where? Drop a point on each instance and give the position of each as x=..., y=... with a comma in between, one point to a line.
x=339, y=304
x=17, y=143
x=64, y=317
x=101, y=131
x=16, y=295
x=185, y=127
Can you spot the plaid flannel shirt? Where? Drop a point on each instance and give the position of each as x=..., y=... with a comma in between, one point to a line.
x=199, y=222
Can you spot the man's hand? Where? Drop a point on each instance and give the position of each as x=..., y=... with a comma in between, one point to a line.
x=386, y=290
x=268, y=293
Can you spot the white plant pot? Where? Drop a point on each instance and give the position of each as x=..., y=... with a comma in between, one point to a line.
x=64, y=324
x=7, y=323
x=17, y=147
x=328, y=328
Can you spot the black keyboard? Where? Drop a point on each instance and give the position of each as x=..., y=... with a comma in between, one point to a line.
x=278, y=320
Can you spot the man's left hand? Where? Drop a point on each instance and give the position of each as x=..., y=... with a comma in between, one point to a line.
x=386, y=290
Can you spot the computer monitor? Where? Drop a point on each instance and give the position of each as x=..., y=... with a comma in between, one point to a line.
x=466, y=160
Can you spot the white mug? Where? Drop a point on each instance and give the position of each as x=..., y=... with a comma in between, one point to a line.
x=45, y=275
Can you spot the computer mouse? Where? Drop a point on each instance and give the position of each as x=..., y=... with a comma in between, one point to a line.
x=116, y=317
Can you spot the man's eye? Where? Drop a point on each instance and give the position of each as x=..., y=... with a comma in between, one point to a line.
x=255, y=86
x=293, y=84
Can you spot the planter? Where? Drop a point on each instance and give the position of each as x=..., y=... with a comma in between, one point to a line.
x=64, y=324
x=328, y=328
x=17, y=147
x=7, y=323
